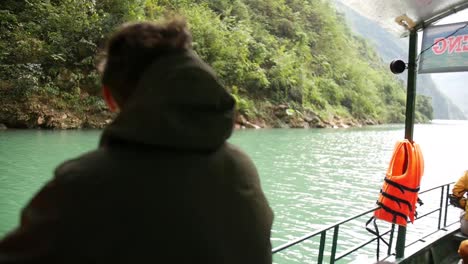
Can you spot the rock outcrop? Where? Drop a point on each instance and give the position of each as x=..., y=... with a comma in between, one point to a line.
x=38, y=115
x=282, y=116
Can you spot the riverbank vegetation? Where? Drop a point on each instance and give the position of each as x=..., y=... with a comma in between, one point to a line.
x=288, y=63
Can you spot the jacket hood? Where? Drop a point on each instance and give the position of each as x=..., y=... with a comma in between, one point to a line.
x=178, y=103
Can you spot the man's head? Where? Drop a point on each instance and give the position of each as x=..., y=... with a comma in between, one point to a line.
x=132, y=48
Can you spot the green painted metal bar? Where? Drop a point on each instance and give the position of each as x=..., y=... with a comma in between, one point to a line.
x=409, y=122
x=359, y=246
x=313, y=234
x=390, y=242
x=333, y=254
x=429, y=213
x=400, y=243
x=335, y=244
x=411, y=86
x=441, y=206
x=323, y=236
x=436, y=187
x=446, y=204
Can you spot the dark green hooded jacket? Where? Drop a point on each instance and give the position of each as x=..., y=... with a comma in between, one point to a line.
x=164, y=186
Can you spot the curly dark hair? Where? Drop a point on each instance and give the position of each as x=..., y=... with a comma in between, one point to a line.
x=134, y=46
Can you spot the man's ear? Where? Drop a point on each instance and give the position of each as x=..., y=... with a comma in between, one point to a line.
x=113, y=107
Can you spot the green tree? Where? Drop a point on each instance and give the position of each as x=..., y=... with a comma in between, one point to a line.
x=294, y=52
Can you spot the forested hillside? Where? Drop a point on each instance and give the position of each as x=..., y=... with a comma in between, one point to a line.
x=289, y=63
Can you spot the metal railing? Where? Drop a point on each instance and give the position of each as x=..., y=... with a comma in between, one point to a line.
x=335, y=228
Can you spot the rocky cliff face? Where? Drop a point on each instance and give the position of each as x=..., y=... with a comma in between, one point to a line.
x=35, y=114
x=282, y=116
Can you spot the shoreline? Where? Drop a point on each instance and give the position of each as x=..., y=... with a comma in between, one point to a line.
x=40, y=114
x=71, y=124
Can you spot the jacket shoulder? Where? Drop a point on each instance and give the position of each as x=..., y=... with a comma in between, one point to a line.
x=240, y=165
x=238, y=155
x=80, y=168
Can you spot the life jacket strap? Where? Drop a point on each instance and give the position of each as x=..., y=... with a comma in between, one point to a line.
x=376, y=232
x=420, y=202
x=393, y=212
x=401, y=187
x=399, y=201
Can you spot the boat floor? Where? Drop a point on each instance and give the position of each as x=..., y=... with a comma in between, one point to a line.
x=459, y=237
x=438, y=248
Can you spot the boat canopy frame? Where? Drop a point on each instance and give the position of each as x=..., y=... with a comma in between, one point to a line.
x=399, y=17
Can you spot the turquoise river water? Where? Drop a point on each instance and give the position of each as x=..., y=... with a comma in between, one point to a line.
x=312, y=178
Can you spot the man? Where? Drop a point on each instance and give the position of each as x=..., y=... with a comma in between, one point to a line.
x=164, y=186
x=457, y=199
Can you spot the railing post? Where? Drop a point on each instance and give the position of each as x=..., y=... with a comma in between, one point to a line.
x=411, y=86
x=323, y=236
x=334, y=245
x=409, y=122
x=441, y=207
x=400, y=243
x=390, y=242
x=446, y=204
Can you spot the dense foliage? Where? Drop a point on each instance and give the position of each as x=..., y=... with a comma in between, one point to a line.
x=267, y=52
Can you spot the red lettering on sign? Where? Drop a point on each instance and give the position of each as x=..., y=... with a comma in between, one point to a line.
x=465, y=43
x=440, y=46
x=455, y=44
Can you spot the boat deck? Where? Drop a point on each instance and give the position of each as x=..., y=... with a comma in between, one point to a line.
x=458, y=237
x=439, y=248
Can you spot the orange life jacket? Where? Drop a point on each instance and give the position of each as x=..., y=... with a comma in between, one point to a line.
x=399, y=192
